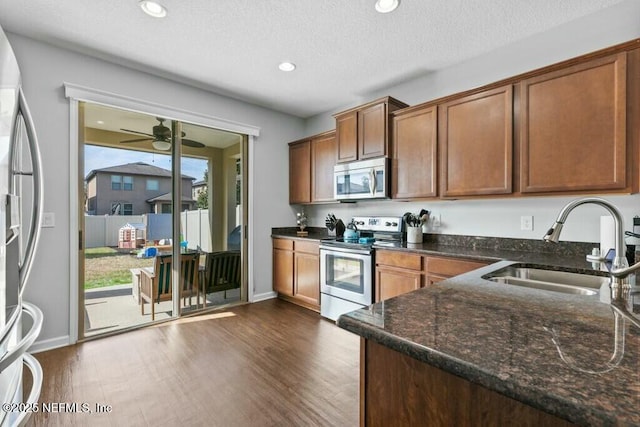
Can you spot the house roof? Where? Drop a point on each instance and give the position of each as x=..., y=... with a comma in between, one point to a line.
x=137, y=168
x=199, y=184
x=166, y=197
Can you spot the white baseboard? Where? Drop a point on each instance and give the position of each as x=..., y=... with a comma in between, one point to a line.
x=264, y=296
x=49, y=344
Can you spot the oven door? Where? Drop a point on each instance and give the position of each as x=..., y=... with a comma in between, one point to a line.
x=347, y=274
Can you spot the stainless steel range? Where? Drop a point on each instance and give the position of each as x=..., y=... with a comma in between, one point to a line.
x=347, y=265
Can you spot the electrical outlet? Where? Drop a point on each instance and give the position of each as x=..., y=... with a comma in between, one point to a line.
x=436, y=220
x=526, y=223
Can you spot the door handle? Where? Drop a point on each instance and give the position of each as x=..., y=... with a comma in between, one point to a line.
x=19, y=350
x=36, y=173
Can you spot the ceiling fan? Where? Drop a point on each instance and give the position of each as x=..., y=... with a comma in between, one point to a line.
x=161, y=137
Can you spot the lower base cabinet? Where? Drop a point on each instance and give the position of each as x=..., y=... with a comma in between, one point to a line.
x=399, y=272
x=397, y=390
x=296, y=271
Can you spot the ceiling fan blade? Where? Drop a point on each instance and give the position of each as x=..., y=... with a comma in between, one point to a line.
x=192, y=143
x=135, y=140
x=135, y=131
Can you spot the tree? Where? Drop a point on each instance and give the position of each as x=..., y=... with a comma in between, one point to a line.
x=203, y=196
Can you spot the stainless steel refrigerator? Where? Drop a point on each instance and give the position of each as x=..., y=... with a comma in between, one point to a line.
x=20, y=212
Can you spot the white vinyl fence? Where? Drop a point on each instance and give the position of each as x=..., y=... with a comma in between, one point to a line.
x=103, y=230
x=196, y=230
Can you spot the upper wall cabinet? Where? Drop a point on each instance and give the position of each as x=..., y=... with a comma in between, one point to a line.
x=323, y=159
x=476, y=143
x=573, y=128
x=300, y=172
x=414, y=163
x=363, y=132
x=311, y=164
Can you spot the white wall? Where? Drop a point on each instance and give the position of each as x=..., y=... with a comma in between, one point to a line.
x=44, y=69
x=501, y=217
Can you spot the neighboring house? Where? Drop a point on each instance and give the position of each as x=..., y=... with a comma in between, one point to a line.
x=197, y=188
x=133, y=189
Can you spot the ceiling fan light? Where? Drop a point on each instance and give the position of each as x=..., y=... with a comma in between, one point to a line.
x=386, y=6
x=161, y=145
x=154, y=9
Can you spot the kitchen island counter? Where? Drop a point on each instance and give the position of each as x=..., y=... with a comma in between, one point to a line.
x=509, y=340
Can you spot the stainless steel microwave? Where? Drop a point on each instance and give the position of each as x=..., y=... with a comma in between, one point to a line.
x=366, y=179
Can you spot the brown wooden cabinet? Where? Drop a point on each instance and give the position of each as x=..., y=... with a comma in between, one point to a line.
x=573, y=128
x=323, y=159
x=299, y=172
x=311, y=162
x=414, y=168
x=399, y=272
x=397, y=390
x=283, y=266
x=363, y=132
x=296, y=271
x=476, y=144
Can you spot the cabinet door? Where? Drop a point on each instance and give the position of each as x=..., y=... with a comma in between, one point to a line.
x=347, y=136
x=477, y=144
x=283, y=271
x=307, y=277
x=299, y=172
x=415, y=154
x=373, y=131
x=573, y=128
x=391, y=282
x=323, y=159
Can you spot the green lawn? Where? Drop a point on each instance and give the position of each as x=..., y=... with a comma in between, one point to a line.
x=109, y=266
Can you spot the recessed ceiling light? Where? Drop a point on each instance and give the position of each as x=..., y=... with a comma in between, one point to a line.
x=386, y=6
x=154, y=9
x=100, y=122
x=287, y=66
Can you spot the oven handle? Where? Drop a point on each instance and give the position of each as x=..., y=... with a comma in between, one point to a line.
x=347, y=251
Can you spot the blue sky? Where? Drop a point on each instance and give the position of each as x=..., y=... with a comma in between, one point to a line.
x=96, y=157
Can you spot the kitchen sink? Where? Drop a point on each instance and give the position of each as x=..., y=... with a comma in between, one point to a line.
x=548, y=280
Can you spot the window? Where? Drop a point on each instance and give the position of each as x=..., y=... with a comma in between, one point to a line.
x=121, y=208
x=128, y=183
x=116, y=182
x=153, y=185
x=166, y=208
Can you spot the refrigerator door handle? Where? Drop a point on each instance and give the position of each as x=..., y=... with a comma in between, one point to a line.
x=36, y=387
x=36, y=213
x=21, y=348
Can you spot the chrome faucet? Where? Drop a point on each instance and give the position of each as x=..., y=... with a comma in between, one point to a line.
x=620, y=287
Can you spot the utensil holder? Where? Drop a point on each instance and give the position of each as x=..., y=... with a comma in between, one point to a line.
x=414, y=234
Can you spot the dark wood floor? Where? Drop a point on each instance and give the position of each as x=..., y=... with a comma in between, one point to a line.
x=265, y=364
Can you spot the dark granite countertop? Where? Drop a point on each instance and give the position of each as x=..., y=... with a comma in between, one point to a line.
x=509, y=339
x=315, y=233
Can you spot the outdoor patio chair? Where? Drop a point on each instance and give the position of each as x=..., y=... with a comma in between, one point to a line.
x=156, y=287
x=222, y=272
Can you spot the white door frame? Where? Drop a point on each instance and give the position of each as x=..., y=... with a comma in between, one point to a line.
x=76, y=94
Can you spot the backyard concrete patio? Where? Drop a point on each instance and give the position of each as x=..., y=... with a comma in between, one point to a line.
x=112, y=308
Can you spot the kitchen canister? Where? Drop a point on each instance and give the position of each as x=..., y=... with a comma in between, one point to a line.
x=414, y=234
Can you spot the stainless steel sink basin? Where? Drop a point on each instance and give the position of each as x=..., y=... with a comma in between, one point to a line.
x=548, y=280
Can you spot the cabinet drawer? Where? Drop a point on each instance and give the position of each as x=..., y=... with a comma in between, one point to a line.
x=307, y=247
x=399, y=259
x=285, y=244
x=450, y=266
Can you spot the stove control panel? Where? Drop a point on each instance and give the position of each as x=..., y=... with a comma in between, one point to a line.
x=378, y=223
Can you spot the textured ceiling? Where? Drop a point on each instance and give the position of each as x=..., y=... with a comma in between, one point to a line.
x=344, y=49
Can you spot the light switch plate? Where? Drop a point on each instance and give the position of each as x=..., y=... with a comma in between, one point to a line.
x=48, y=220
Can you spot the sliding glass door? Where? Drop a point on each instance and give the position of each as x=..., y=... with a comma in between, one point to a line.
x=162, y=217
